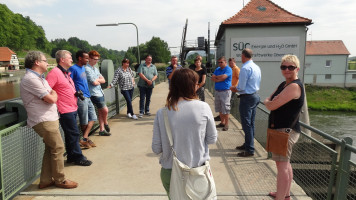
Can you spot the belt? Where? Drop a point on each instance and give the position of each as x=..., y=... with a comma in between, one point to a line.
x=242, y=95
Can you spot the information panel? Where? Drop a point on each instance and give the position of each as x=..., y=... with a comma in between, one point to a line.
x=265, y=48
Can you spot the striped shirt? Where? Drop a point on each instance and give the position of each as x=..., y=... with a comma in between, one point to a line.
x=123, y=78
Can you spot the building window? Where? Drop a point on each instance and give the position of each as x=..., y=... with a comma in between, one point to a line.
x=327, y=76
x=353, y=76
x=328, y=63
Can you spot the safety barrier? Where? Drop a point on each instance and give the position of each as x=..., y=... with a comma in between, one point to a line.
x=322, y=167
x=21, y=149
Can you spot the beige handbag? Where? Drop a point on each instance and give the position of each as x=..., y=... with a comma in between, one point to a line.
x=189, y=183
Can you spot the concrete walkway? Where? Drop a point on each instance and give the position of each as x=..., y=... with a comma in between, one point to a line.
x=124, y=166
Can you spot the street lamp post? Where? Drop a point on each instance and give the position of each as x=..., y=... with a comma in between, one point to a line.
x=138, y=44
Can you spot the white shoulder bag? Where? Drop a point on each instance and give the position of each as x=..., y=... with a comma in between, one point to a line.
x=189, y=183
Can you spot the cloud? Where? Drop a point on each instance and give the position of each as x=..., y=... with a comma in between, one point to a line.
x=28, y=3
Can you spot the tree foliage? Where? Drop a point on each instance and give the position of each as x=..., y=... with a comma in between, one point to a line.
x=22, y=34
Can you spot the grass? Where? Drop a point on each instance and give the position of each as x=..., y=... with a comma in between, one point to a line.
x=352, y=65
x=331, y=98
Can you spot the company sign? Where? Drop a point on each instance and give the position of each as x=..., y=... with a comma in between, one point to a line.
x=266, y=48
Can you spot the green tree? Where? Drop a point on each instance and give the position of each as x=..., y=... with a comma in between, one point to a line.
x=159, y=50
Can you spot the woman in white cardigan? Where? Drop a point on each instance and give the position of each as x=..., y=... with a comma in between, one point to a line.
x=192, y=124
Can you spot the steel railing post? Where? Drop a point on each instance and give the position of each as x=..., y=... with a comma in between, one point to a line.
x=343, y=170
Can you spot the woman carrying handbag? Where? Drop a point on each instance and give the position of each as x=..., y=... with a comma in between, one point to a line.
x=285, y=104
x=190, y=124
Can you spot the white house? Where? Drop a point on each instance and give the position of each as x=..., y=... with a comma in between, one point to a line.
x=326, y=64
x=8, y=59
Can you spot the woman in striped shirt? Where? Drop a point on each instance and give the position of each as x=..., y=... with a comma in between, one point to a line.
x=124, y=76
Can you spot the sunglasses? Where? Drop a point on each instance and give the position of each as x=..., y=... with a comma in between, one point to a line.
x=290, y=67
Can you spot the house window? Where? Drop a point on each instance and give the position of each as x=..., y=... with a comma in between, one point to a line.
x=327, y=76
x=353, y=76
x=328, y=63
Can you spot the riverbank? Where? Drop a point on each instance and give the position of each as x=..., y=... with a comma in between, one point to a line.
x=331, y=98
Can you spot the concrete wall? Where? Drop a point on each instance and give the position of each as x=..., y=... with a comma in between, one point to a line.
x=271, y=73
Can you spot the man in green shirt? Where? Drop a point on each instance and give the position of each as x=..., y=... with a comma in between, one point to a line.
x=148, y=74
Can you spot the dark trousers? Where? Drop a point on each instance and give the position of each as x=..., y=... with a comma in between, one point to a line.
x=128, y=97
x=69, y=125
x=145, y=94
x=247, y=109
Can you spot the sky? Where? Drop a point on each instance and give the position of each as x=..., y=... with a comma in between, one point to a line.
x=332, y=20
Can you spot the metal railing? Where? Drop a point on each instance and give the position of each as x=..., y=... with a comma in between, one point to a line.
x=322, y=167
x=21, y=149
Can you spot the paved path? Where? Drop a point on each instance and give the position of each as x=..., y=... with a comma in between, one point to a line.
x=125, y=168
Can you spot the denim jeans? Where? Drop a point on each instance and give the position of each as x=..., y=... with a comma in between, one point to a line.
x=86, y=111
x=145, y=94
x=247, y=108
x=128, y=97
x=69, y=125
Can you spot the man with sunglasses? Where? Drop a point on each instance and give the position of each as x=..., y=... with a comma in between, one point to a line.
x=222, y=77
x=248, y=86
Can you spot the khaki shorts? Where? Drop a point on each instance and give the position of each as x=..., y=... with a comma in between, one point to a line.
x=293, y=138
x=222, y=101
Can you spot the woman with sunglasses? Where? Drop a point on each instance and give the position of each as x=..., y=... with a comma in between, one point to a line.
x=285, y=105
x=126, y=80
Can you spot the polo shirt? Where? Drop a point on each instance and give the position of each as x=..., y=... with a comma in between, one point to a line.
x=80, y=79
x=33, y=88
x=149, y=73
x=226, y=84
x=92, y=75
x=64, y=86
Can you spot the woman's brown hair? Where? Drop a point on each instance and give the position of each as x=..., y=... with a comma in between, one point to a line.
x=183, y=84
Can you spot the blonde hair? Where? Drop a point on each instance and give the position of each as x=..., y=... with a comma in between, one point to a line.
x=291, y=58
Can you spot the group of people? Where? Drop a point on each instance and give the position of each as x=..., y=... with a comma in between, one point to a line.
x=66, y=92
x=190, y=142
x=71, y=90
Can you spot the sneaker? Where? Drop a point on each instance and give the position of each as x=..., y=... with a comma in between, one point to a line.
x=134, y=117
x=140, y=115
x=221, y=125
x=104, y=133
x=107, y=128
x=85, y=144
x=129, y=115
x=148, y=113
x=217, y=118
x=92, y=144
x=83, y=162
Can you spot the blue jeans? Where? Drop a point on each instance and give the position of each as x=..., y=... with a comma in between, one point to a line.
x=69, y=125
x=86, y=111
x=247, y=108
x=145, y=94
x=128, y=97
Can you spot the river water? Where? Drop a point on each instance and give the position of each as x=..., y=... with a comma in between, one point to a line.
x=337, y=124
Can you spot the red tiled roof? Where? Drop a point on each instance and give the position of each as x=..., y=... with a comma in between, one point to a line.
x=326, y=47
x=5, y=54
x=265, y=12
x=262, y=12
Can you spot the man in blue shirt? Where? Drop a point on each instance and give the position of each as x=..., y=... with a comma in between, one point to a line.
x=222, y=77
x=86, y=110
x=172, y=68
x=249, y=84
